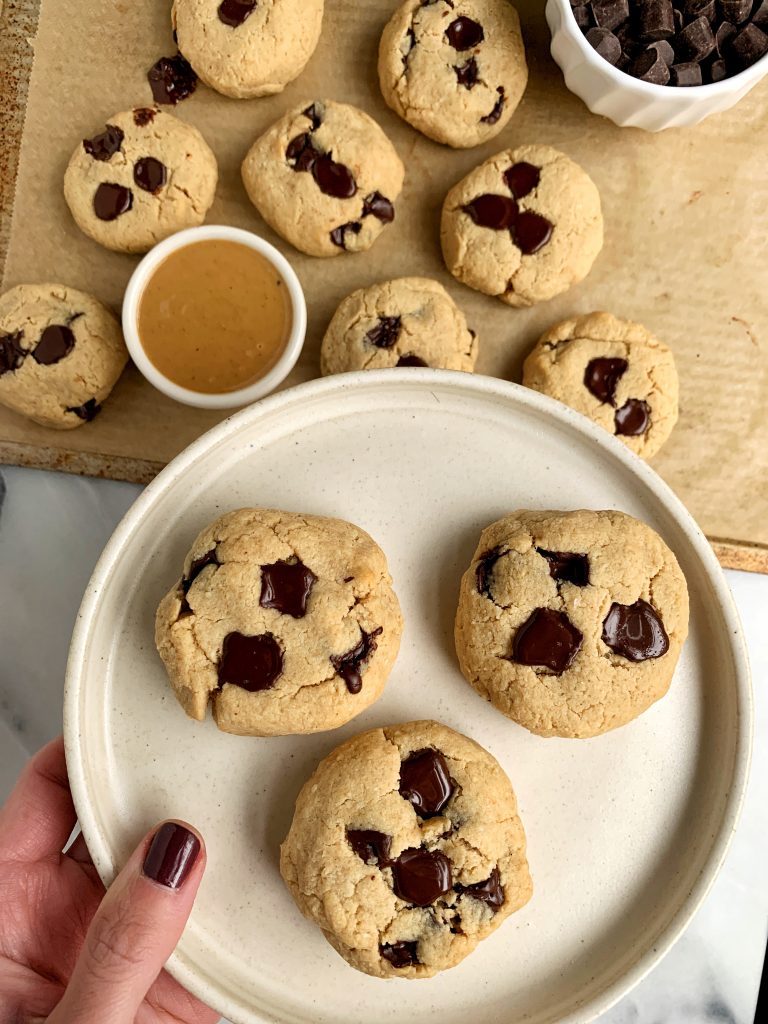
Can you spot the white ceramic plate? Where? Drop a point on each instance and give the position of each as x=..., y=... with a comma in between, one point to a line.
x=626, y=832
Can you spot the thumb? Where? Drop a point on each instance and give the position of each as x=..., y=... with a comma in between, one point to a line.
x=135, y=929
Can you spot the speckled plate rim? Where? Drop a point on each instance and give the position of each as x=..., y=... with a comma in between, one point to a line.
x=467, y=385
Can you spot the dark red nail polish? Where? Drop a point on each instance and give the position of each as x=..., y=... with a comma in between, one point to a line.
x=171, y=855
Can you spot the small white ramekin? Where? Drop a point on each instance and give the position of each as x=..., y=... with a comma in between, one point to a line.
x=229, y=399
x=627, y=101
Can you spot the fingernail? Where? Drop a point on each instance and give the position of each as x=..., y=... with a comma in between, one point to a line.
x=171, y=855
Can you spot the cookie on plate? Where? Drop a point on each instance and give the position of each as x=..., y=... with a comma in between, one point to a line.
x=411, y=321
x=284, y=623
x=454, y=70
x=571, y=623
x=144, y=177
x=614, y=371
x=61, y=353
x=523, y=226
x=246, y=48
x=325, y=177
x=407, y=850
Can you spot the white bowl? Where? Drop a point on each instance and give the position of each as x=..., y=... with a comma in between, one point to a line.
x=627, y=101
x=229, y=399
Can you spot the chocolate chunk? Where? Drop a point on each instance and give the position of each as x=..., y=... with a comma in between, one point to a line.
x=547, y=638
x=426, y=782
x=609, y=14
x=172, y=79
x=522, y=178
x=490, y=892
x=649, y=67
x=399, y=954
x=724, y=33
x=235, y=12
x=379, y=206
x=695, y=42
x=604, y=42
x=142, y=116
x=467, y=74
x=349, y=665
x=656, y=20
x=314, y=116
x=197, y=566
x=411, y=360
x=491, y=211
x=748, y=46
x=633, y=418
x=302, y=153
x=110, y=201
x=635, y=631
x=483, y=570
x=698, y=8
x=333, y=179
x=735, y=11
x=286, y=586
x=718, y=70
x=150, y=174
x=531, y=232
x=567, y=567
x=103, y=147
x=251, y=662
x=12, y=355
x=664, y=50
x=464, y=33
x=371, y=846
x=685, y=74
x=498, y=107
x=583, y=16
x=338, y=235
x=88, y=411
x=55, y=343
x=421, y=876
x=385, y=333
x=602, y=376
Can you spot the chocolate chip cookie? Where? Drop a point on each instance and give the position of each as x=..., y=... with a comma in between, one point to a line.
x=524, y=226
x=61, y=353
x=411, y=321
x=325, y=177
x=245, y=48
x=454, y=69
x=571, y=623
x=284, y=623
x=144, y=177
x=614, y=371
x=407, y=850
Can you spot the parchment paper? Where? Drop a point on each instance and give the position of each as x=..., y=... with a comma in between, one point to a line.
x=686, y=217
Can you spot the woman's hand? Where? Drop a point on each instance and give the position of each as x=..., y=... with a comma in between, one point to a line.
x=68, y=952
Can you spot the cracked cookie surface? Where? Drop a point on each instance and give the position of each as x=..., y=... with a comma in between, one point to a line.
x=571, y=623
x=285, y=623
x=407, y=850
x=613, y=371
x=411, y=321
x=524, y=226
x=454, y=69
x=325, y=177
x=61, y=353
x=243, y=48
x=142, y=177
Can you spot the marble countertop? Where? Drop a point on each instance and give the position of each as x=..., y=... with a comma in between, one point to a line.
x=52, y=530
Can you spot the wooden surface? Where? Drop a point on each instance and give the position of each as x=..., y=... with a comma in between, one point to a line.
x=686, y=227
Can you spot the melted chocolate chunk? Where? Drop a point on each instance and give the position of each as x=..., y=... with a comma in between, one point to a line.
x=490, y=892
x=103, y=147
x=150, y=174
x=251, y=662
x=498, y=107
x=12, y=355
x=399, y=954
x=490, y=211
x=333, y=179
x=467, y=74
x=110, y=201
x=142, y=116
x=338, y=235
x=349, y=665
x=635, y=631
x=411, y=360
x=602, y=376
x=421, y=876
x=522, y=179
x=531, y=232
x=483, y=570
x=547, y=638
x=633, y=418
x=286, y=586
x=302, y=153
x=380, y=207
x=197, y=566
x=569, y=568
x=410, y=35
x=89, y=411
x=314, y=116
x=426, y=782
x=385, y=333
x=172, y=79
x=235, y=12
x=371, y=846
x=464, y=33
x=55, y=343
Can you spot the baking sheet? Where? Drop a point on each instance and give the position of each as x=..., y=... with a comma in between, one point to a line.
x=686, y=227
